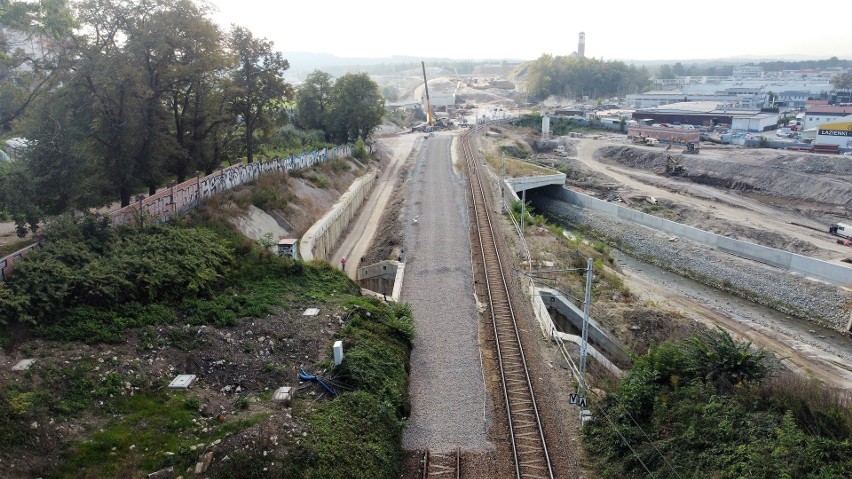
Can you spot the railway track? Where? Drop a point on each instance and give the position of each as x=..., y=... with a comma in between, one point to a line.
x=442, y=465
x=529, y=448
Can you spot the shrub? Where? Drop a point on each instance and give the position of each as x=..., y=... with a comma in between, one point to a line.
x=356, y=435
x=360, y=150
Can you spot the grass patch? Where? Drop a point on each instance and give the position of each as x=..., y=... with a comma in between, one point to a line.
x=155, y=430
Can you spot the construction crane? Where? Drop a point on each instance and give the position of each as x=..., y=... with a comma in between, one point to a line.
x=430, y=115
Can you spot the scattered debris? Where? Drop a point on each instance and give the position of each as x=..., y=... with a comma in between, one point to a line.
x=166, y=473
x=204, y=462
x=182, y=381
x=23, y=365
x=311, y=312
x=284, y=394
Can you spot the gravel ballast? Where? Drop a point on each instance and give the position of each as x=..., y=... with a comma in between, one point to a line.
x=448, y=396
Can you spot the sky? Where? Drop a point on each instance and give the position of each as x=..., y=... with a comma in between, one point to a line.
x=524, y=30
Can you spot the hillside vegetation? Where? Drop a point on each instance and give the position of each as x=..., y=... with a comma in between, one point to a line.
x=706, y=408
x=112, y=315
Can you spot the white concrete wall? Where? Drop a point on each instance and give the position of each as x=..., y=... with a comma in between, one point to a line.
x=815, y=268
x=321, y=238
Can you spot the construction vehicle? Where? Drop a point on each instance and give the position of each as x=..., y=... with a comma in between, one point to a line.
x=673, y=168
x=692, y=149
x=645, y=140
x=430, y=115
x=840, y=229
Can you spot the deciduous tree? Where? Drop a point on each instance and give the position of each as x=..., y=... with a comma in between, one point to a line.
x=257, y=82
x=358, y=107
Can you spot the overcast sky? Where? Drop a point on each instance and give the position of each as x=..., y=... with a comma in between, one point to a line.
x=488, y=29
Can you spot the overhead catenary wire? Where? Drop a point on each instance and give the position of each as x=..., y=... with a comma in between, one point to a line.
x=600, y=313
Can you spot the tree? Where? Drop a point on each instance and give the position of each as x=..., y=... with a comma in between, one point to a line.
x=257, y=83
x=358, y=107
x=842, y=81
x=313, y=101
x=109, y=89
x=196, y=99
x=60, y=174
x=570, y=76
x=35, y=52
x=665, y=72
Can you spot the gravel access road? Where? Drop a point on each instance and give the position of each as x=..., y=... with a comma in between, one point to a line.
x=448, y=396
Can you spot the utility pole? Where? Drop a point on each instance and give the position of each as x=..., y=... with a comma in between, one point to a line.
x=523, y=210
x=502, y=182
x=584, y=338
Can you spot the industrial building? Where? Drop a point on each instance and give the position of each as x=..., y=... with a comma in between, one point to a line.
x=744, y=98
x=792, y=98
x=816, y=115
x=836, y=133
x=699, y=113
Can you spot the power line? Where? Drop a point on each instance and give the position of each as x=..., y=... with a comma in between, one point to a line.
x=603, y=313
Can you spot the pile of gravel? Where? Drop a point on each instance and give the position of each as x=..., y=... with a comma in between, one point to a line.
x=789, y=293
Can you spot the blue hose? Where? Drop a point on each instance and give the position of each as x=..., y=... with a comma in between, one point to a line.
x=308, y=377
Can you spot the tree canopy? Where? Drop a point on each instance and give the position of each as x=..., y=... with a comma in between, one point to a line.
x=128, y=95
x=577, y=77
x=347, y=109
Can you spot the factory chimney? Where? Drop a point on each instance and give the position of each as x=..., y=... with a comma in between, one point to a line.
x=581, y=48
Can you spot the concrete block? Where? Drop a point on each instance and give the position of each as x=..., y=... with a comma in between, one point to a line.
x=284, y=394
x=204, y=463
x=23, y=365
x=182, y=381
x=166, y=473
x=338, y=352
x=311, y=312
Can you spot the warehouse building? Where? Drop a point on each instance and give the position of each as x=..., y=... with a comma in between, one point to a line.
x=816, y=115
x=699, y=113
x=836, y=133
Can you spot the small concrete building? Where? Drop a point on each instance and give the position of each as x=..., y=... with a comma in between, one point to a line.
x=289, y=247
x=755, y=123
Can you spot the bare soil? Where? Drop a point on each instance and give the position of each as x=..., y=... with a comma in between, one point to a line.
x=246, y=362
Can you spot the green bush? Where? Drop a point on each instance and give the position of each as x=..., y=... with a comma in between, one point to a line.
x=359, y=151
x=356, y=435
x=677, y=413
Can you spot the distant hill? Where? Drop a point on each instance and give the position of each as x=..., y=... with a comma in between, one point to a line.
x=303, y=63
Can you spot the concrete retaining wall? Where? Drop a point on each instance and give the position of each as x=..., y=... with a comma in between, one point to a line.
x=597, y=335
x=180, y=198
x=815, y=268
x=384, y=277
x=319, y=241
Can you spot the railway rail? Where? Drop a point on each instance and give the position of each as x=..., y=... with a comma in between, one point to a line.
x=442, y=465
x=529, y=448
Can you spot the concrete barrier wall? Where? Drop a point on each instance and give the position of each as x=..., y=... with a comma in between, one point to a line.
x=597, y=334
x=321, y=238
x=379, y=277
x=812, y=267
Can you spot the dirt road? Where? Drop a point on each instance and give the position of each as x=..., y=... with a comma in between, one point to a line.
x=362, y=230
x=720, y=204
x=807, y=348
